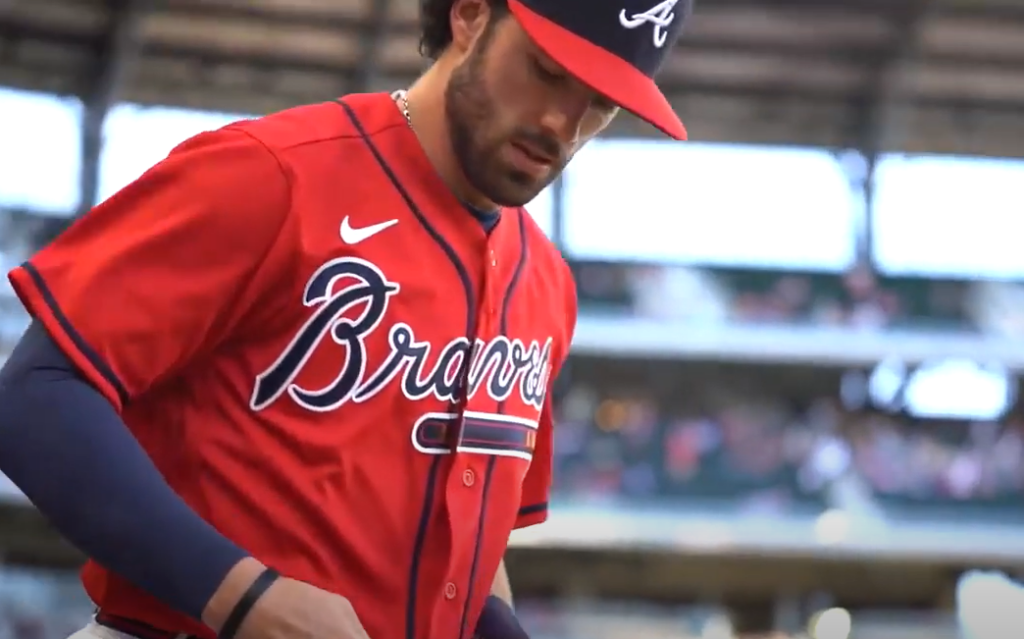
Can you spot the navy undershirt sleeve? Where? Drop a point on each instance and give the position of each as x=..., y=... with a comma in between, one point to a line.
x=64, y=445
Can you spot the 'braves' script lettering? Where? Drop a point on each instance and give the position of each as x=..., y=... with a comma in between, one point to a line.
x=349, y=298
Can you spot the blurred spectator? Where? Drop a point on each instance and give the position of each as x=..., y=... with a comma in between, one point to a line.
x=770, y=454
x=776, y=439
x=933, y=465
x=751, y=454
x=858, y=298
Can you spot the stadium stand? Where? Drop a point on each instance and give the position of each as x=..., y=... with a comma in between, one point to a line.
x=793, y=405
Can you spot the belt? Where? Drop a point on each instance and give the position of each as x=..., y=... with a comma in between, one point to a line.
x=137, y=629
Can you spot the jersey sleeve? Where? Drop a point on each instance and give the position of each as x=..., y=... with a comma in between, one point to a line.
x=533, y=507
x=163, y=270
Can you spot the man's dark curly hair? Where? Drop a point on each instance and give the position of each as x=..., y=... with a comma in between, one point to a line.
x=436, y=25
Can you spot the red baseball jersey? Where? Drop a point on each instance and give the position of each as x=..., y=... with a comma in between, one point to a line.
x=287, y=312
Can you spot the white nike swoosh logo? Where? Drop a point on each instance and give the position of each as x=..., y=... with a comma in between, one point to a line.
x=351, y=235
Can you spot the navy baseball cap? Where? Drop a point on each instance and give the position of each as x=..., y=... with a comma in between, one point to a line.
x=615, y=47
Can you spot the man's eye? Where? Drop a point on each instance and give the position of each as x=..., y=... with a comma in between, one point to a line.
x=605, y=105
x=545, y=73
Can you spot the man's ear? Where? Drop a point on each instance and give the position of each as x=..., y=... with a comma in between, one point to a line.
x=469, y=20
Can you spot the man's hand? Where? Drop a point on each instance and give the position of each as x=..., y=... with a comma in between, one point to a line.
x=289, y=609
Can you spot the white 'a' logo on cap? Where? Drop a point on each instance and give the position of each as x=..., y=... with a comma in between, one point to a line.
x=660, y=15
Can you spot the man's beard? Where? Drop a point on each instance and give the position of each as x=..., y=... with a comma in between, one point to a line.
x=470, y=112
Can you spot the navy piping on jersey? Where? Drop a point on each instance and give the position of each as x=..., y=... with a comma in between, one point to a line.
x=533, y=509
x=478, y=542
x=541, y=507
x=464, y=278
x=524, y=254
x=94, y=359
x=505, y=303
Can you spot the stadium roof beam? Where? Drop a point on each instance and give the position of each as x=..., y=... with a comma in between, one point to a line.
x=760, y=71
x=119, y=48
x=883, y=119
x=371, y=42
x=261, y=13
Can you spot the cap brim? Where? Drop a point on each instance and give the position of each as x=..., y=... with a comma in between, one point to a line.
x=605, y=72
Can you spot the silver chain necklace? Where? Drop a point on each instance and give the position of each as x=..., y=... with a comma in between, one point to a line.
x=402, y=98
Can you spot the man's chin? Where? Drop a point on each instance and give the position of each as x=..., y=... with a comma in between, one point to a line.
x=509, y=190
x=514, y=198
x=519, y=189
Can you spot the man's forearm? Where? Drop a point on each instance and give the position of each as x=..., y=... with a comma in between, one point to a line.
x=498, y=621
x=68, y=450
x=502, y=588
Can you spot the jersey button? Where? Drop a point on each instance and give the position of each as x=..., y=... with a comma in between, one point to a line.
x=450, y=591
x=468, y=477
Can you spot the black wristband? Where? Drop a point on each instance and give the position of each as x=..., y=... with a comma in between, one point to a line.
x=245, y=604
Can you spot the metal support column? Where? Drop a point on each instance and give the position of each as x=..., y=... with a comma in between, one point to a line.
x=371, y=43
x=116, y=55
x=885, y=115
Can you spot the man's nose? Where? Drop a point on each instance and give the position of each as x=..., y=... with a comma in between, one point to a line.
x=563, y=118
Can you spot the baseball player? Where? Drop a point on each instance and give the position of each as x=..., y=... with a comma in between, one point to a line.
x=294, y=382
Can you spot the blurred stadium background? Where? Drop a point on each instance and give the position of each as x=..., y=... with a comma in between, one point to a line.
x=793, y=404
